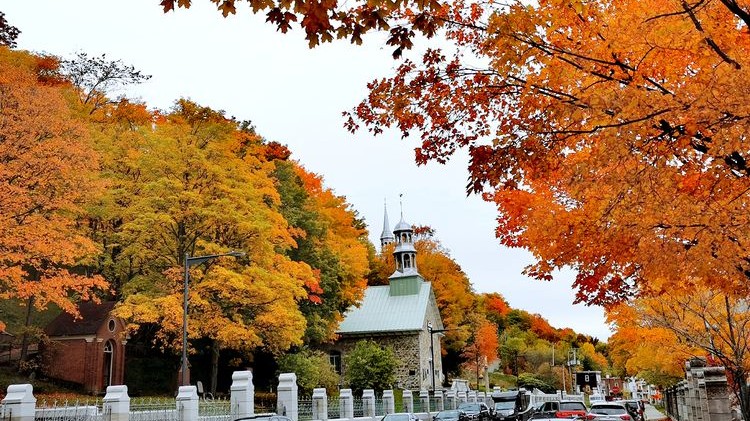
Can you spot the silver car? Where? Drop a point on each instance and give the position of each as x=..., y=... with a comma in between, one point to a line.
x=608, y=411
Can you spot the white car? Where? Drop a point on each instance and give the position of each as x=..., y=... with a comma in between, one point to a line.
x=608, y=411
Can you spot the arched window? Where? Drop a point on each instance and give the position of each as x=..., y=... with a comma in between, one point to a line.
x=108, y=360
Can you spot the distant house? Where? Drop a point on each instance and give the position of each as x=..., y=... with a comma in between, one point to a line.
x=402, y=315
x=89, y=351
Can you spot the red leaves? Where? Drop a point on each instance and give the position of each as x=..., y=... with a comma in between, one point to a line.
x=280, y=19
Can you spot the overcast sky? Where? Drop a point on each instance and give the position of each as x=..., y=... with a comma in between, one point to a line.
x=295, y=96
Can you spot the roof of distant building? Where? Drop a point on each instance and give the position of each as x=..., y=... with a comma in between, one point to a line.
x=382, y=312
x=92, y=317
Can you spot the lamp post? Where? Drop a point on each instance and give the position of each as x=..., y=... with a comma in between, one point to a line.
x=432, y=351
x=191, y=261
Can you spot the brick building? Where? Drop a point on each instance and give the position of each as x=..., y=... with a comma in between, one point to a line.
x=402, y=315
x=88, y=351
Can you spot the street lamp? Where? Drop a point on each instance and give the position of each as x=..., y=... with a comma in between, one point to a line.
x=191, y=261
x=432, y=351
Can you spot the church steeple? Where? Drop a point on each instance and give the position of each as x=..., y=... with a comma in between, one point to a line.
x=404, y=252
x=386, y=237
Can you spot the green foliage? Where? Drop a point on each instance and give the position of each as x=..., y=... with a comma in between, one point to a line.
x=370, y=366
x=313, y=369
x=530, y=382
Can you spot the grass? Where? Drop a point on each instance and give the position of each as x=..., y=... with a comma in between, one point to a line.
x=504, y=381
x=42, y=388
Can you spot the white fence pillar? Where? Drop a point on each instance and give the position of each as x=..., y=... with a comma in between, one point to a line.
x=408, y=401
x=116, y=403
x=450, y=397
x=424, y=398
x=346, y=403
x=319, y=404
x=389, y=403
x=19, y=403
x=472, y=396
x=286, y=396
x=368, y=403
x=439, y=400
x=461, y=397
x=242, y=397
x=187, y=403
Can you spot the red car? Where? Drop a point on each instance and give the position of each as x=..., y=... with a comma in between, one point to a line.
x=561, y=409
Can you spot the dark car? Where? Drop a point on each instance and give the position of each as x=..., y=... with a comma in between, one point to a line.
x=451, y=415
x=560, y=409
x=634, y=409
x=475, y=411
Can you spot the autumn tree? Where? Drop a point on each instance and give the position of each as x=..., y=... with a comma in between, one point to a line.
x=703, y=321
x=48, y=173
x=616, y=128
x=193, y=182
x=330, y=238
x=481, y=351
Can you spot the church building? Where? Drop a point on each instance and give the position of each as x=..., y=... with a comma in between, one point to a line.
x=402, y=315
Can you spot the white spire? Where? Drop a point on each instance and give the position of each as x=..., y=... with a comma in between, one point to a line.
x=387, y=236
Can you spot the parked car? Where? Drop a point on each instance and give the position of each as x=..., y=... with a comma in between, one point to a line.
x=400, y=416
x=635, y=409
x=608, y=411
x=475, y=411
x=451, y=415
x=561, y=409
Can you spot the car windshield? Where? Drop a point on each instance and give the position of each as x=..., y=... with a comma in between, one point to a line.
x=470, y=407
x=608, y=410
x=572, y=406
x=632, y=405
x=448, y=414
x=505, y=404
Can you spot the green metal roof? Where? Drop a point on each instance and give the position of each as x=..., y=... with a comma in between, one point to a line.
x=382, y=311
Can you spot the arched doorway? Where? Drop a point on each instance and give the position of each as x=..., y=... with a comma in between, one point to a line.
x=108, y=363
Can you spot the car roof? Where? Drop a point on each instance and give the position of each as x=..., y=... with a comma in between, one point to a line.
x=608, y=404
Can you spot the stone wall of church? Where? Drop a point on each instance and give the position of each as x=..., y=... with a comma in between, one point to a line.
x=411, y=373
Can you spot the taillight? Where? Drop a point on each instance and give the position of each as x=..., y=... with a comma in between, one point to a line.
x=625, y=417
x=590, y=417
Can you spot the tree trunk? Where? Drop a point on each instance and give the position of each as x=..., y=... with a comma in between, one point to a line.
x=215, y=350
x=25, y=337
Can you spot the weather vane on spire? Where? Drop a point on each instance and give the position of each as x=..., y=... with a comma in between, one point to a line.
x=401, y=204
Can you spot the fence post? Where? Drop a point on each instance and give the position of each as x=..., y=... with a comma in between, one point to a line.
x=424, y=397
x=368, y=403
x=116, y=403
x=717, y=392
x=482, y=397
x=187, y=403
x=286, y=396
x=242, y=394
x=408, y=401
x=389, y=403
x=439, y=400
x=461, y=397
x=472, y=396
x=450, y=396
x=319, y=404
x=19, y=403
x=346, y=403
